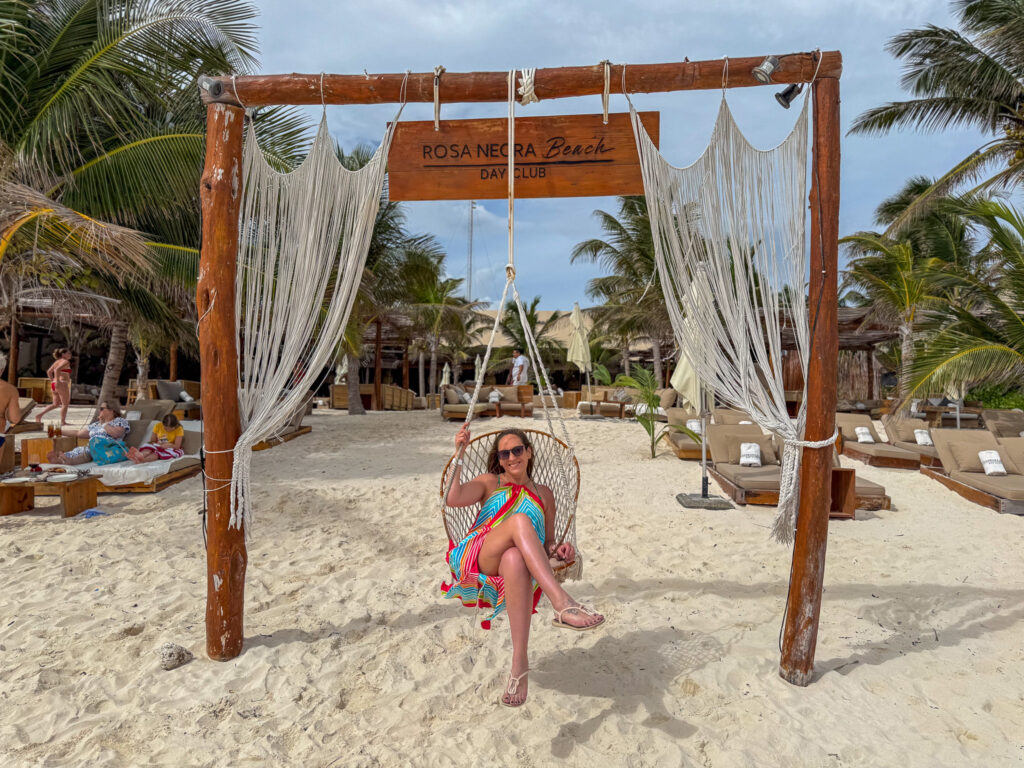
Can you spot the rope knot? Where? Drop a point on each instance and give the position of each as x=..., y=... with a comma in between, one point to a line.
x=510, y=272
x=526, y=86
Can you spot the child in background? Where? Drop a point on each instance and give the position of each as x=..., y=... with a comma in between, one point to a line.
x=164, y=442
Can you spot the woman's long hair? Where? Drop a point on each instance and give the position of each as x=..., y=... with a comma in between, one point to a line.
x=494, y=466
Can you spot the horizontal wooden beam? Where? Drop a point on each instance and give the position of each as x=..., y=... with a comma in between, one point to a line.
x=554, y=83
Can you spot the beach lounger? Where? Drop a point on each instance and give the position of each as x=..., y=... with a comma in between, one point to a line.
x=730, y=416
x=292, y=429
x=874, y=454
x=151, y=477
x=902, y=434
x=1004, y=423
x=684, y=446
x=760, y=485
x=27, y=424
x=958, y=450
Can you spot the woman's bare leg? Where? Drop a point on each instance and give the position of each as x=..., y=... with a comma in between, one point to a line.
x=519, y=606
x=517, y=531
x=65, y=402
x=56, y=457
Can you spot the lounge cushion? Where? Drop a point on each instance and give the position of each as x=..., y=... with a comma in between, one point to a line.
x=719, y=436
x=763, y=478
x=967, y=459
x=882, y=450
x=169, y=390
x=864, y=487
x=848, y=423
x=920, y=450
x=680, y=416
x=764, y=441
x=1004, y=423
x=451, y=396
x=730, y=416
x=682, y=440
x=462, y=409
x=666, y=398
x=1004, y=486
x=903, y=429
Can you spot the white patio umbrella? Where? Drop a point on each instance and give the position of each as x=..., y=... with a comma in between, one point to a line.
x=341, y=371
x=579, y=344
x=446, y=375
x=478, y=369
x=684, y=381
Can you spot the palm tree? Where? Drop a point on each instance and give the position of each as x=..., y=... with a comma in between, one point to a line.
x=634, y=304
x=979, y=339
x=101, y=136
x=541, y=330
x=433, y=302
x=969, y=77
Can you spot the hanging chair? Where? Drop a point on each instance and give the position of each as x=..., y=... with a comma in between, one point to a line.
x=550, y=455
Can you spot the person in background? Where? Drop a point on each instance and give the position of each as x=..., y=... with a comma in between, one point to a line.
x=60, y=385
x=520, y=368
x=164, y=442
x=106, y=439
x=10, y=409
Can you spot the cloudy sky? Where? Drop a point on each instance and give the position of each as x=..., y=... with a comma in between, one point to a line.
x=350, y=36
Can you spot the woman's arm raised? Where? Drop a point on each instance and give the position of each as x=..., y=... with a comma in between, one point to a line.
x=466, y=494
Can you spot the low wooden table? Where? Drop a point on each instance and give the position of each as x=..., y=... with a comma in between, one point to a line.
x=76, y=496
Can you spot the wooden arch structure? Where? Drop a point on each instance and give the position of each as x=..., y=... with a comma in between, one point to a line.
x=221, y=202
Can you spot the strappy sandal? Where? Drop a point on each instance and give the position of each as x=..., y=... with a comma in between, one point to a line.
x=510, y=690
x=557, y=621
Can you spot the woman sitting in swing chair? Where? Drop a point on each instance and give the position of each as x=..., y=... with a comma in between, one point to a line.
x=503, y=560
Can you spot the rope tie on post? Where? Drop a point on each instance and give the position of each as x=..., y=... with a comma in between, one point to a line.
x=526, y=93
x=438, y=71
x=607, y=89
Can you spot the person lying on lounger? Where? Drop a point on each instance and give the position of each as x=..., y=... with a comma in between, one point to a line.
x=164, y=442
x=106, y=439
x=503, y=561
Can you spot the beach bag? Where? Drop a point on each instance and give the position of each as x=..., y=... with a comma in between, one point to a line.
x=107, y=450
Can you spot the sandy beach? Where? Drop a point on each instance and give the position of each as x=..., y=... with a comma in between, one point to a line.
x=353, y=658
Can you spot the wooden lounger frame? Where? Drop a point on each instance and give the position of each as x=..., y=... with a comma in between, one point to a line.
x=154, y=486
x=265, y=444
x=745, y=496
x=984, y=498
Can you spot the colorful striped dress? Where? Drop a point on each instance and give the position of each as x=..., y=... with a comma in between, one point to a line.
x=478, y=590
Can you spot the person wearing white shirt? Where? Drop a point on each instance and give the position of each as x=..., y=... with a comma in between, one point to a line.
x=520, y=367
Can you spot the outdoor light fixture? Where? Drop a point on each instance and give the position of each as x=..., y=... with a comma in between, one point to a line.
x=788, y=95
x=763, y=71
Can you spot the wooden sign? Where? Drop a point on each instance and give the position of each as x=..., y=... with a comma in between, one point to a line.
x=561, y=156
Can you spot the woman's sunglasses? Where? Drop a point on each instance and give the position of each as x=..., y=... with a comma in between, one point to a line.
x=517, y=451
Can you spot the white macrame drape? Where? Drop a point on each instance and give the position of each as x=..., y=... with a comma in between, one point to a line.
x=729, y=242
x=303, y=242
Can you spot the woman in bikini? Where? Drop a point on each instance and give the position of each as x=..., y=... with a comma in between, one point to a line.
x=502, y=562
x=60, y=385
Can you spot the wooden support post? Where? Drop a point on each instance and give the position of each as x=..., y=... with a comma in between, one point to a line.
x=12, y=357
x=221, y=195
x=378, y=385
x=172, y=362
x=405, y=367
x=800, y=632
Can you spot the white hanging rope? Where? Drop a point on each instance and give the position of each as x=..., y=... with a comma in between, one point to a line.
x=303, y=241
x=438, y=71
x=605, y=96
x=729, y=236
